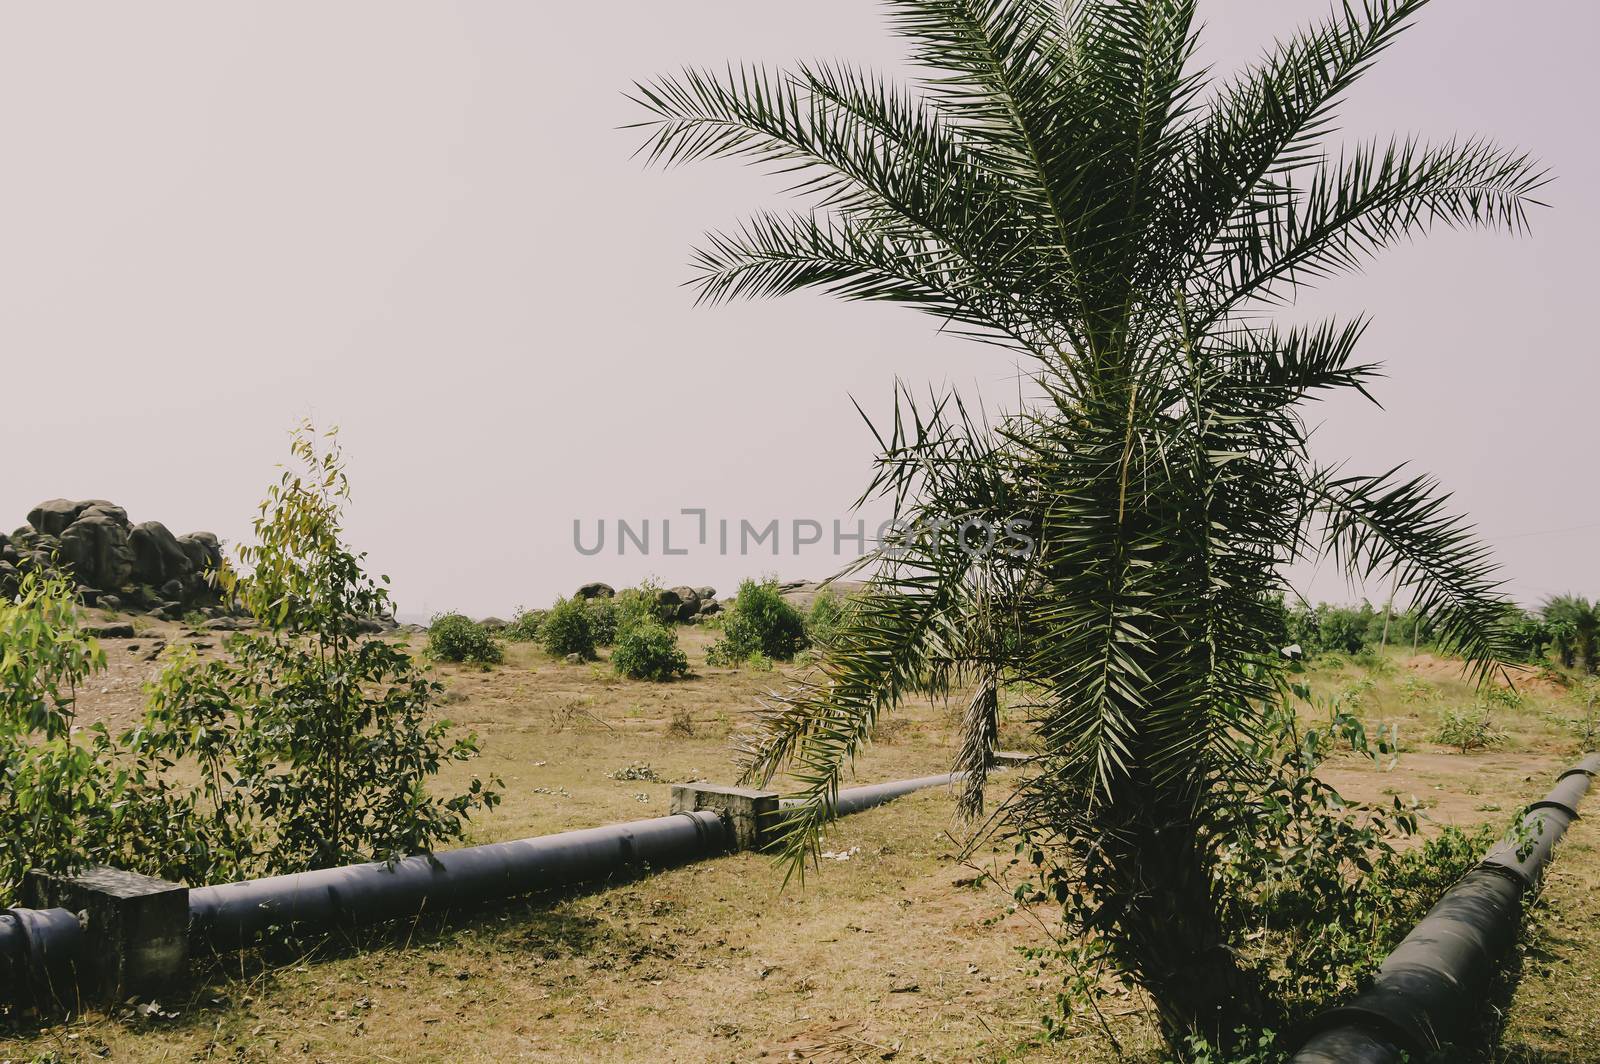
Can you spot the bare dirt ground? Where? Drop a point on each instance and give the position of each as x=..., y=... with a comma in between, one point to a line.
x=892, y=953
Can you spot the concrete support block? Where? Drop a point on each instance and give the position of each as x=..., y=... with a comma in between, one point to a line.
x=136, y=929
x=750, y=814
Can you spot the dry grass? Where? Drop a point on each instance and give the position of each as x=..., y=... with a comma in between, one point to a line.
x=1553, y=1012
x=892, y=954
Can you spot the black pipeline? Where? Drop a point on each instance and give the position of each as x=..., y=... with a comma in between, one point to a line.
x=38, y=947
x=856, y=799
x=37, y=951
x=234, y=914
x=1430, y=990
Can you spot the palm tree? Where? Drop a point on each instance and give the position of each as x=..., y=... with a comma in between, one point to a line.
x=1574, y=624
x=1065, y=182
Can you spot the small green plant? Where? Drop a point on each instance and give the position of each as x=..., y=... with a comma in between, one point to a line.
x=760, y=622
x=1468, y=729
x=1250, y=1047
x=1314, y=891
x=456, y=638
x=1587, y=727
x=1355, y=696
x=1507, y=697
x=524, y=626
x=566, y=630
x=194, y=619
x=1374, y=661
x=647, y=650
x=1414, y=689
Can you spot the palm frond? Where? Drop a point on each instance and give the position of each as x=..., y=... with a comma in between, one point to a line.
x=1267, y=120
x=1397, y=527
x=1367, y=200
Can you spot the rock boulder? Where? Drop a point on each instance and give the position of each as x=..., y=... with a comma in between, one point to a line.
x=54, y=515
x=158, y=557
x=96, y=548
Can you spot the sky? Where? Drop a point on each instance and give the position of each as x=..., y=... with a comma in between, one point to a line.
x=421, y=222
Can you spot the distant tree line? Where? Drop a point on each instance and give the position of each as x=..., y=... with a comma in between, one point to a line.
x=1568, y=625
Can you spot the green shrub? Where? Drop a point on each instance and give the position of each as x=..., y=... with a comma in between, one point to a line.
x=454, y=637
x=762, y=622
x=643, y=603
x=822, y=621
x=649, y=651
x=51, y=775
x=75, y=795
x=602, y=620
x=1508, y=697
x=306, y=746
x=1375, y=661
x=1468, y=729
x=1354, y=697
x=307, y=736
x=1415, y=689
x=524, y=626
x=567, y=630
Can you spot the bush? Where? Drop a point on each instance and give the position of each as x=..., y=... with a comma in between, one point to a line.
x=760, y=622
x=51, y=775
x=602, y=620
x=567, y=630
x=1468, y=729
x=307, y=745
x=643, y=603
x=310, y=739
x=454, y=637
x=649, y=651
x=524, y=626
x=73, y=795
x=1415, y=689
x=822, y=621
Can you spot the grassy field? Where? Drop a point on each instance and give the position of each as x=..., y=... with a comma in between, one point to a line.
x=890, y=953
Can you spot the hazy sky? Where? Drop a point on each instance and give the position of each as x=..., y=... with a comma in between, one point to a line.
x=418, y=220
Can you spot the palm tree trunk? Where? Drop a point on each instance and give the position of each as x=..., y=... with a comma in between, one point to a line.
x=1170, y=933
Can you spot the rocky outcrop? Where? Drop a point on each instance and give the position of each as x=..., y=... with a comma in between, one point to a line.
x=684, y=605
x=95, y=549
x=118, y=565
x=689, y=602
